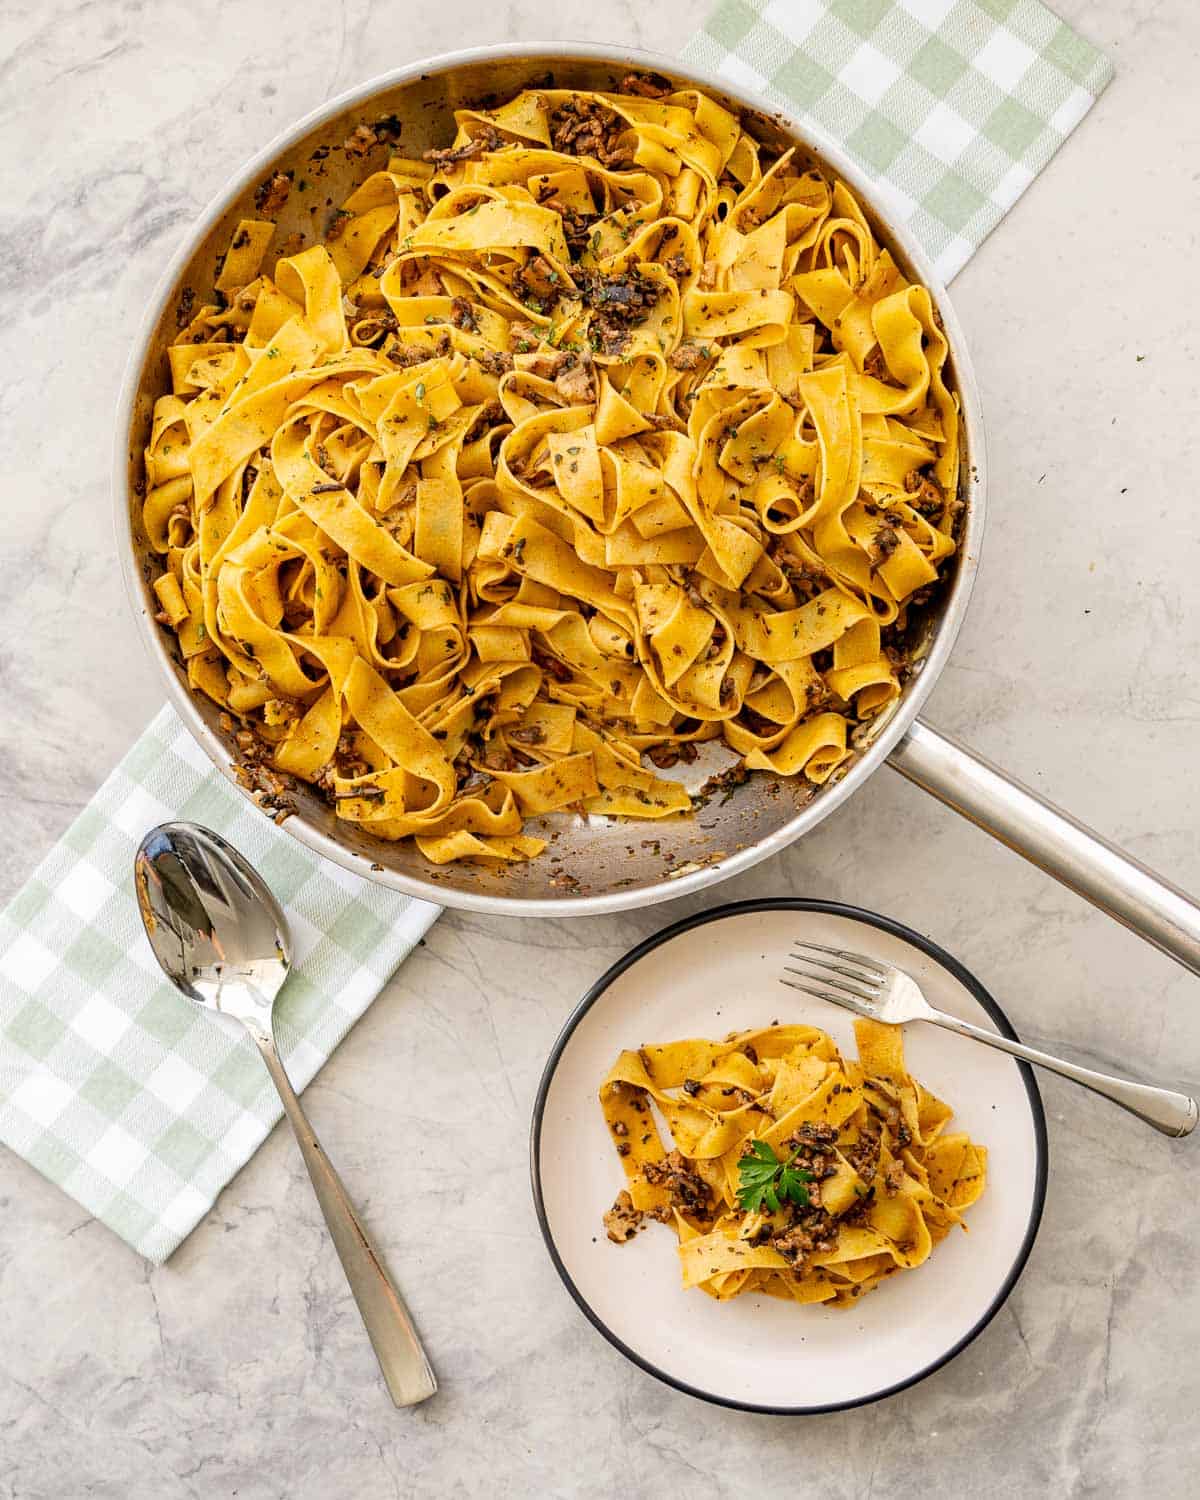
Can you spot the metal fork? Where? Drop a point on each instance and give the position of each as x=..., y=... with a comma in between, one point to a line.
x=874, y=989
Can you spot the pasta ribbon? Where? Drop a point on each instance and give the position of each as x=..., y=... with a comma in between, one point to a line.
x=857, y=1176
x=602, y=430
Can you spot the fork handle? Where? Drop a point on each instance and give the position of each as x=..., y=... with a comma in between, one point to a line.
x=1172, y=1114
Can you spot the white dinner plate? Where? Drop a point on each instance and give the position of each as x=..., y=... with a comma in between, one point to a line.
x=719, y=972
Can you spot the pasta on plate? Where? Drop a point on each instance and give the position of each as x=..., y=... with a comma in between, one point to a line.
x=794, y=1171
x=597, y=434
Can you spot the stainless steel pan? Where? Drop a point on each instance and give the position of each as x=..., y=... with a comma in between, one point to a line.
x=605, y=868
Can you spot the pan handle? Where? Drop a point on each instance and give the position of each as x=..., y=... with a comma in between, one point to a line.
x=1053, y=840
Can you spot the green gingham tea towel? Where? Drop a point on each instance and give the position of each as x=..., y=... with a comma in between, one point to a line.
x=141, y=1107
x=135, y=1102
x=952, y=106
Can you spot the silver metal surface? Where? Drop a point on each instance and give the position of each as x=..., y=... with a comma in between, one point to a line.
x=1053, y=840
x=623, y=863
x=620, y=863
x=874, y=989
x=220, y=937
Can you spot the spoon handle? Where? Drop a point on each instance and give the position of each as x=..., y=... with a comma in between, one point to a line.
x=405, y=1366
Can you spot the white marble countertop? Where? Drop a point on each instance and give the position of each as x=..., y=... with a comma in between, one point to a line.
x=241, y=1368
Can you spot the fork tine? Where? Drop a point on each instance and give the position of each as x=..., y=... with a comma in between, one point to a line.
x=858, y=1006
x=823, y=963
x=876, y=969
x=826, y=978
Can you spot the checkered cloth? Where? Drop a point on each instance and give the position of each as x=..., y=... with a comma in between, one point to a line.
x=142, y=1107
x=952, y=106
x=137, y=1103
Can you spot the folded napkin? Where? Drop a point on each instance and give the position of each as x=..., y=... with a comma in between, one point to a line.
x=952, y=106
x=137, y=1103
x=140, y=1106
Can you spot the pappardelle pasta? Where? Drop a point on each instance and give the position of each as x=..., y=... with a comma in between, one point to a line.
x=599, y=433
x=793, y=1172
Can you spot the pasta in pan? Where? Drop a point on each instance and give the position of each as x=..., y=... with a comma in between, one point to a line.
x=600, y=433
x=794, y=1172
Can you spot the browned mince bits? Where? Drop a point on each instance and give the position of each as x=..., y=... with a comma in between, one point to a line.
x=585, y=127
x=686, y=1189
x=622, y=1221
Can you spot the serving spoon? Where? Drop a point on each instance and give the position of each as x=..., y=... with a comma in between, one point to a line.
x=222, y=940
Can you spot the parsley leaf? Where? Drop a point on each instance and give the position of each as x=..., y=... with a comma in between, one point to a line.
x=766, y=1179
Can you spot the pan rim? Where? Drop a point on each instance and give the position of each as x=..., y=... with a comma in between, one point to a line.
x=873, y=194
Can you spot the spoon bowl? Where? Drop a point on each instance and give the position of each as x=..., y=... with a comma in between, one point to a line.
x=216, y=929
x=222, y=940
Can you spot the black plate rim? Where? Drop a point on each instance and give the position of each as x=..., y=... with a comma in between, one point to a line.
x=884, y=924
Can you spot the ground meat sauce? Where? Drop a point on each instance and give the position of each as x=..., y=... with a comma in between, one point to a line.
x=446, y=156
x=887, y=540
x=647, y=85
x=668, y=755
x=813, y=1232
x=409, y=354
x=577, y=228
x=620, y=300
x=726, y=782
x=183, y=311
x=575, y=381
x=688, y=357
x=687, y=1190
x=585, y=127
x=617, y=302
x=271, y=195
x=863, y=1156
x=495, y=361
x=360, y=142
x=622, y=1221
x=624, y=297
x=774, y=1221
